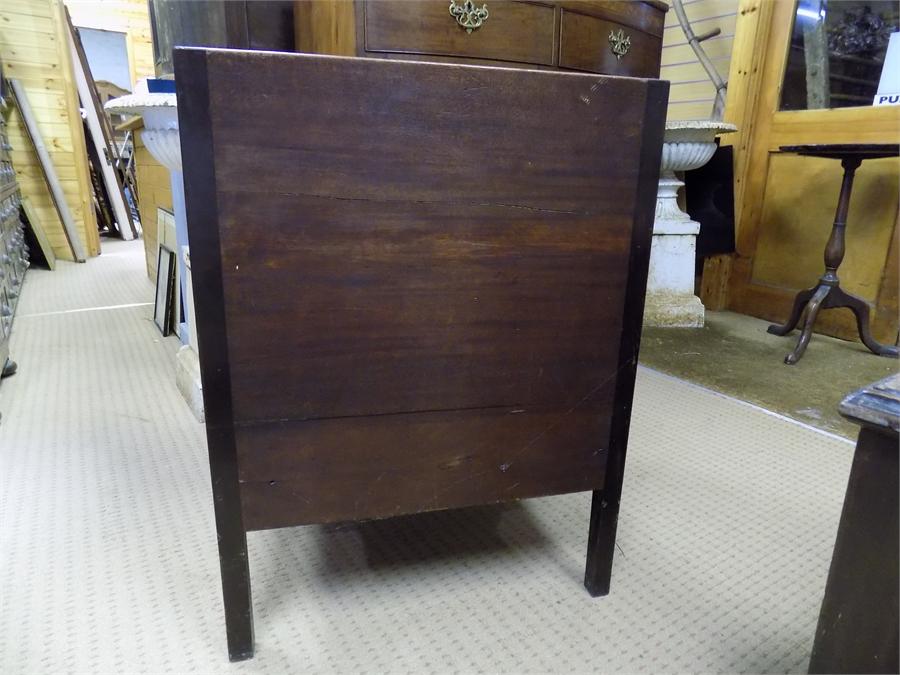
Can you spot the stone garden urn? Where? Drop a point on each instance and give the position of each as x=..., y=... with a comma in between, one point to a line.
x=670, y=297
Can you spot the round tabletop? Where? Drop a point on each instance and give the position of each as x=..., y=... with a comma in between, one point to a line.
x=845, y=151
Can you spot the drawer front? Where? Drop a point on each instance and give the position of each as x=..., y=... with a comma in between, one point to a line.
x=585, y=44
x=513, y=31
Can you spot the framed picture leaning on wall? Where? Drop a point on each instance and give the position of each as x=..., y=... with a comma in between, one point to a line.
x=164, y=305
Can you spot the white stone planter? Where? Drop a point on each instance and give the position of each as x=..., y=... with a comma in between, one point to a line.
x=160, y=135
x=160, y=113
x=670, y=297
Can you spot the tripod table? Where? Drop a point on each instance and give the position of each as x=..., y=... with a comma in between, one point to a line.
x=828, y=294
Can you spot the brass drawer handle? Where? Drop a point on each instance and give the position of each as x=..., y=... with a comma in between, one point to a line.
x=468, y=15
x=619, y=43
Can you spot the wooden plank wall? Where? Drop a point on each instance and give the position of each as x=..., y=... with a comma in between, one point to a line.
x=156, y=191
x=692, y=93
x=132, y=18
x=124, y=16
x=34, y=50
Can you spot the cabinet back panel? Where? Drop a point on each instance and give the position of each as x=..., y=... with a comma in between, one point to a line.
x=423, y=271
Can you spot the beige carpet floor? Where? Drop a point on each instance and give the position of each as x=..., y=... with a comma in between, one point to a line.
x=108, y=553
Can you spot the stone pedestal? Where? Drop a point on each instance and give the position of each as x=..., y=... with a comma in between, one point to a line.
x=670, y=283
x=670, y=299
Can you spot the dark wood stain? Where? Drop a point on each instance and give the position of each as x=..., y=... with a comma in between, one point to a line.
x=418, y=286
x=514, y=31
x=193, y=89
x=297, y=472
x=859, y=622
x=647, y=16
x=565, y=34
x=584, y=45
x=605, y=503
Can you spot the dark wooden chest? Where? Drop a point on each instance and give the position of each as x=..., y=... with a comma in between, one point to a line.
x=417, y=287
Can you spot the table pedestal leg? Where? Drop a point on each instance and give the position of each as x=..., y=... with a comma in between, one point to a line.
x=812, y=310
x=800, y=301
x=860, y=308
x=828, y=294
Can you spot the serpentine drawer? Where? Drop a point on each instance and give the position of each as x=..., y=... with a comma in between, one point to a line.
x=596, y=45
x=610, y=37
x=513, y=31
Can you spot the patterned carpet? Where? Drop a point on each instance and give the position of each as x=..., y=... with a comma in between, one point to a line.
x=108, y=557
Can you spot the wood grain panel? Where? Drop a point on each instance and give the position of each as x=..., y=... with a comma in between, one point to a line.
x=415, y=292
x=453, y=253
x=325, y=27
x=34, y=50
x=872, y=124
x=394, y=292
x=449, y=459
x=154, y=188
x=27, y=8
x=371, y=277
x=885, y=316
x=418, y=158
x=514, y=31
x=584, y=45
x=36, y=54
x=647, y=17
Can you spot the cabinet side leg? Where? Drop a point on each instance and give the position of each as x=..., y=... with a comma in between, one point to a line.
x=236, y=594
x=605, y=505
x=201, y=211
x=601, y=544
x=232, y=537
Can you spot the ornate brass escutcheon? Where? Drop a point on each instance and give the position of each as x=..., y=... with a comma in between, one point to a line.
x=468, y=15
x=619, y=43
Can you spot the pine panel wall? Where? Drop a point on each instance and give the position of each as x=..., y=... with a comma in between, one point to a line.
x=123, y=16
x=155, y=191
x=132, y=18
x=692, y=93
x=34, y=51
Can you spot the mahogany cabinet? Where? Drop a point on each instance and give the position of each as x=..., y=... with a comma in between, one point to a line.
x=613, y=37
x=415, y=299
